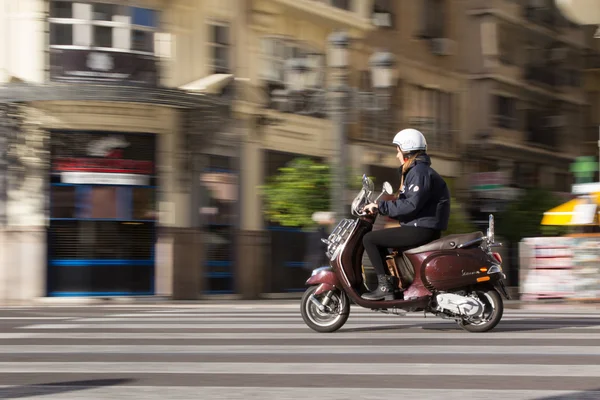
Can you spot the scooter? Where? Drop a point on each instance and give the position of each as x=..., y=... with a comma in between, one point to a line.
x=455, y=277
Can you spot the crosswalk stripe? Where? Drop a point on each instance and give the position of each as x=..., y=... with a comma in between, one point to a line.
x=288, y=326
x=303, y=349
x=64, y=392
x=539, y=336
x=266, y=351
x=403, y=369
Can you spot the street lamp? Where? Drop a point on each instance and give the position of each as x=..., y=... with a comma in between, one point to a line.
x=301, y=79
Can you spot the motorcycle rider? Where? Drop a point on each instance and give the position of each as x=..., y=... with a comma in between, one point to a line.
x=422, y=208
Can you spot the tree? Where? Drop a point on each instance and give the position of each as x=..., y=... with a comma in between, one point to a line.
x=300, y=189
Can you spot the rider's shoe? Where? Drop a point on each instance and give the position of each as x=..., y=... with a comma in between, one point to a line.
x=385, y=289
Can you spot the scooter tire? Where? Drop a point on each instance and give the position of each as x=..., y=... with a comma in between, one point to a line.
x=320, y=322
x=495, y=318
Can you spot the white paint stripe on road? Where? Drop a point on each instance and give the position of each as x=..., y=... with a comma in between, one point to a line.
x=399, y=323
x=298, y=318
x=301, y=349
x=408, y=369
x=340, y=335
x=63, y=392
x=352, y=315
x=37, y=318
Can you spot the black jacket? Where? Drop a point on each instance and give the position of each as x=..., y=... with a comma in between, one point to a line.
x=425, y=200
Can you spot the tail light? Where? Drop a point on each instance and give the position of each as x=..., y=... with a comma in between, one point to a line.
x=498, y=257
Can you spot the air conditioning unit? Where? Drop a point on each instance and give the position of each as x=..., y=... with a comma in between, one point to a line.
x=442, y=46
x=382, y=19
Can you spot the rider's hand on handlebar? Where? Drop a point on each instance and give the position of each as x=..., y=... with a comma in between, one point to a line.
x=370, y=208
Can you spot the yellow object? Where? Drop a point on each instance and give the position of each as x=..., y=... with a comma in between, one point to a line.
x=483, y=279
x=566, y=213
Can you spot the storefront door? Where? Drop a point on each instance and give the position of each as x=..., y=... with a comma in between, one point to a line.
x=102, y=229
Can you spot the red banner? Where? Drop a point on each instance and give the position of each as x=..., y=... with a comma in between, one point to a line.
x=103, y=165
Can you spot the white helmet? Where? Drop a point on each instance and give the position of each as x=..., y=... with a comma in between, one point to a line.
x=410, y=140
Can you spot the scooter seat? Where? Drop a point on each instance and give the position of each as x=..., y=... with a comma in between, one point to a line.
x=446, y=243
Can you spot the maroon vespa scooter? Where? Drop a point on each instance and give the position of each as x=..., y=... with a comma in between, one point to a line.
x=456, y=277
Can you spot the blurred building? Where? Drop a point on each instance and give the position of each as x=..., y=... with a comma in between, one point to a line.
x=526, y=99
x=591, y=144
x=127, y=174
x=96, y=192
x=424, y=37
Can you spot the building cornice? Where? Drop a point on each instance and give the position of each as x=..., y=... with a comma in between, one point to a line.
x=500, y=14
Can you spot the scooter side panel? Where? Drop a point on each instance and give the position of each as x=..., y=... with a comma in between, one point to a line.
x=451, y=269
x=417, y=288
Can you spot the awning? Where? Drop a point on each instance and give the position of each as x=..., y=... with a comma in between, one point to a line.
x=210, y=84
x=580, y=211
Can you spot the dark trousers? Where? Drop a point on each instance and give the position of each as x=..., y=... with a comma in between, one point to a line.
x=403, y=238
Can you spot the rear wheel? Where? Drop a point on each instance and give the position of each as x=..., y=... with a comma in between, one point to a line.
x=332, y=318
x=492, y=314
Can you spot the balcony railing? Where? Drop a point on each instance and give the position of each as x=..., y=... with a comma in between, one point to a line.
x=544, y=75
x=542, y=137
x=545, y=16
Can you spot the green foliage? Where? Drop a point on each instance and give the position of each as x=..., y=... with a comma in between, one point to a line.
x=300, y=189
x=523, y=217
x=459, y=221
x=584, y=169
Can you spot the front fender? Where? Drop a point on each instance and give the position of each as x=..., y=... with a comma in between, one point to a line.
x=500, y=288
x=325, y=278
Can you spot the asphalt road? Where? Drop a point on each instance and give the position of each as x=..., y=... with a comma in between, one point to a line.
x=264, y=351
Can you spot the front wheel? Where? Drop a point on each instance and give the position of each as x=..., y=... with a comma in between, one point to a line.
x=329, y=320
x=492, y=314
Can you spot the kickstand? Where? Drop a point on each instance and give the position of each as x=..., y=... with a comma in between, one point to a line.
x=424, y=313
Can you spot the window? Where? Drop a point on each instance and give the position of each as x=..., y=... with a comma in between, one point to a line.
x=433, y=16
x=343, y=4
x=432, y=111
x=61, y=9
x=102, y=36
x=102, y=25
x=506, y=112
x=219, y=48
x=143, y=204
x=62, y=202
x=61, y=34
x=507, y=45
x=275, y=52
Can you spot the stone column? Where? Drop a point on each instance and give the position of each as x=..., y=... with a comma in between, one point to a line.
x=23, y=262
x=252, y=265
x=179, y=269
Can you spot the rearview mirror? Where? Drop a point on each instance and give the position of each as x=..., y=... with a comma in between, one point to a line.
x=367, y=183
x=387, y=188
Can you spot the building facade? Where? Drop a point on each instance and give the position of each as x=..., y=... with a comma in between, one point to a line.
x=526, y=96
x=126, y=173
x=98, y=195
